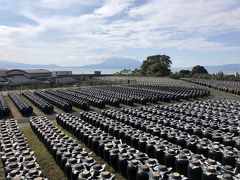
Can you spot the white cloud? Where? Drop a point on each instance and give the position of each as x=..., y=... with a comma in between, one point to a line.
x=117, y=25
x=187, y=15
x=63, y=4
x=113, y=7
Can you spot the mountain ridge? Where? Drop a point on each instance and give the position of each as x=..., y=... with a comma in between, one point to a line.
x=118, y=63
x=121, y=63
x=8, y=64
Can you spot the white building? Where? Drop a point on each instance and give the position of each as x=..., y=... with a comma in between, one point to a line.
x=61, y=73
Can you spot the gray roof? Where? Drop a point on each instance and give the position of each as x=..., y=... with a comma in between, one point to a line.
x=20, y=80
x=36, y=70
x=2, y=79
x=66, y=80
x=30, y=71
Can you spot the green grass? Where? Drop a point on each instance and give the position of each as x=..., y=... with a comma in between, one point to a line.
x=97, y=158
x=47, y=163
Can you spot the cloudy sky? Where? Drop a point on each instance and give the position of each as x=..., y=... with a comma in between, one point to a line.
x=78, y=32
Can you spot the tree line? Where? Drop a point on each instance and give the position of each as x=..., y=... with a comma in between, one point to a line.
x=159, y=65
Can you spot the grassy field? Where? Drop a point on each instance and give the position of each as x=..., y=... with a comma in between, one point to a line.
x=14, y=111
x=44, y=158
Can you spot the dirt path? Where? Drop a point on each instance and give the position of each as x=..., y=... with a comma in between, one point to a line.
x=14, y=111
x=57, y=110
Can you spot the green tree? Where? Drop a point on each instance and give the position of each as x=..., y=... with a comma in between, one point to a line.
x=220, y=76
x=175, y=75
x=184, y=72
x=136, y=72
x=124, y=72
x=157, y=65
x=198, y=70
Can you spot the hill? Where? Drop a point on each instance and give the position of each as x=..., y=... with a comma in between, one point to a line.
x=8, y=64
x=226, y=68
x=118, y=63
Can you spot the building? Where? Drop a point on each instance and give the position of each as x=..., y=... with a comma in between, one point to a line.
x=3, y=81
x=61, y=73
x=97, y=72
x=30, y=73
x=236, y=74
x=20, y=80
x=65, y=80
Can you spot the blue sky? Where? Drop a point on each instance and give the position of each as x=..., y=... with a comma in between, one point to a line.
x=79, y=32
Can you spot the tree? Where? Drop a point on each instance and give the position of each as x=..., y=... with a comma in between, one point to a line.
x=157, y=65
x=136, y=72
x=184, y=72
x=175, y=75
x=124, y=72
x=220, y=76
x=198, y=70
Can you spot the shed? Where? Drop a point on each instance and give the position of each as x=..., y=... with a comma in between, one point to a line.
x=30, y=73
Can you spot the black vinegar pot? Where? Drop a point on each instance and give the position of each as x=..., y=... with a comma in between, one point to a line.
x=132, y=169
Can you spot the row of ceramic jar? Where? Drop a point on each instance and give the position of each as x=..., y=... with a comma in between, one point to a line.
x=227, y=86
x=193, y=143
x=210, y=109
x=189, y=124
x=115, y=92
x=226, y=124
x=93, y=101
x=143, y=94
x=165, y=117
x=68, y=154
x=54, y=100
x=21, y=105
x=213, y=121
x=16, y=156
x=4, y=109
x=183, y=92
x=157, y=124
x=129, y=162
x=122, y=98
x=42, y=104
x=165, y=152
x=150, y=92
x=96, y=99
x=209, y=149
x=75, y=101
x=131, y=95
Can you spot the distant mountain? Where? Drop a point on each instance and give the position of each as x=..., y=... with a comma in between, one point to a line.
x=116, y=63
x=225, y=68
x=8, y=64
